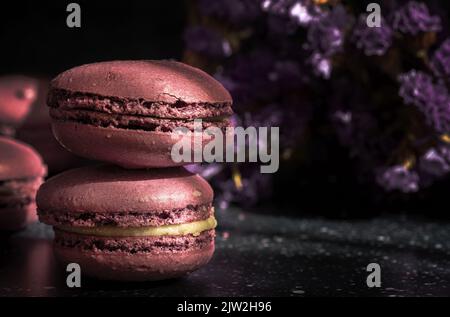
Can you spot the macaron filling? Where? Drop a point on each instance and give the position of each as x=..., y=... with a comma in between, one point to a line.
x=153, y=218
x=69, y=100
x=129, y=113
x=133, y=122
x=194, y=228
x=134, y=245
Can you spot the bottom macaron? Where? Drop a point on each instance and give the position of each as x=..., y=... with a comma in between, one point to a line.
x=130, y=225
x=135, y=258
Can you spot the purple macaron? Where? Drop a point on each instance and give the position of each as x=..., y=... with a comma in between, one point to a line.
x=130, y=225
x=124, y=112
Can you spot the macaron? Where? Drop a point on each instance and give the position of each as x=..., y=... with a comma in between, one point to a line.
x=17, y=94
x=130, y=225
x=36, y=131
x=125, y=112
x=21, y=174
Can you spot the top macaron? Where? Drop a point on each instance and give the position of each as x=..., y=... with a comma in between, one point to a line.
x=123, y=112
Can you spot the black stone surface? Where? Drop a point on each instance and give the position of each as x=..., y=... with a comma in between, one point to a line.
x=264, y=255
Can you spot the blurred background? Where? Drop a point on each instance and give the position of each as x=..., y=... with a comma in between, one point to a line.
x=364, y=113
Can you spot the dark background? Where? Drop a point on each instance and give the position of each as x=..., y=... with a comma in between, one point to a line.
x=36, y=41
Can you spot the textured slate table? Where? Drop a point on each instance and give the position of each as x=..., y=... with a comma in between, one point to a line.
x=263, y=255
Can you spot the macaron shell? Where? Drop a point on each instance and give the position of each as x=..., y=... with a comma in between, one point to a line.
x=18, y=160
x=165, y=81
x=106, y=188
x=125, y=266
x=131, y=149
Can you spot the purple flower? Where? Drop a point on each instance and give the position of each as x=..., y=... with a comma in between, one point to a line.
x=301, y=12
x=432, y=99
x=207, y=42
x=282, y=44
x=278, y=7
x=325, y=38
x=246, y=188
x=414, y=17
x=268, y=116
x=326, y=35
x=261, y=77
x=236, y=12
x=288, y=75
x=321, y=65
x=372, y=40
x=398, y=178
x=440, y=62
x=444, y=151
x=247, y=77
x=206, y=171
x=343, y=122
x=290, y=120
x=304, y=12
x=434, y=162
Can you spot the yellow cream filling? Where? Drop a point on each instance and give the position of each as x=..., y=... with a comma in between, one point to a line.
x=194, y=228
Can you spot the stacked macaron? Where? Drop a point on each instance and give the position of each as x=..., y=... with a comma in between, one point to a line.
x=146, y=217
x=125, y=112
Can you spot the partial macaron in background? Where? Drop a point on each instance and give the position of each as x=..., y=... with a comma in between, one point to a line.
x=17, y=94
x=36, y=131
x=130, y=225
x=21, y=173
x=124, y=112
